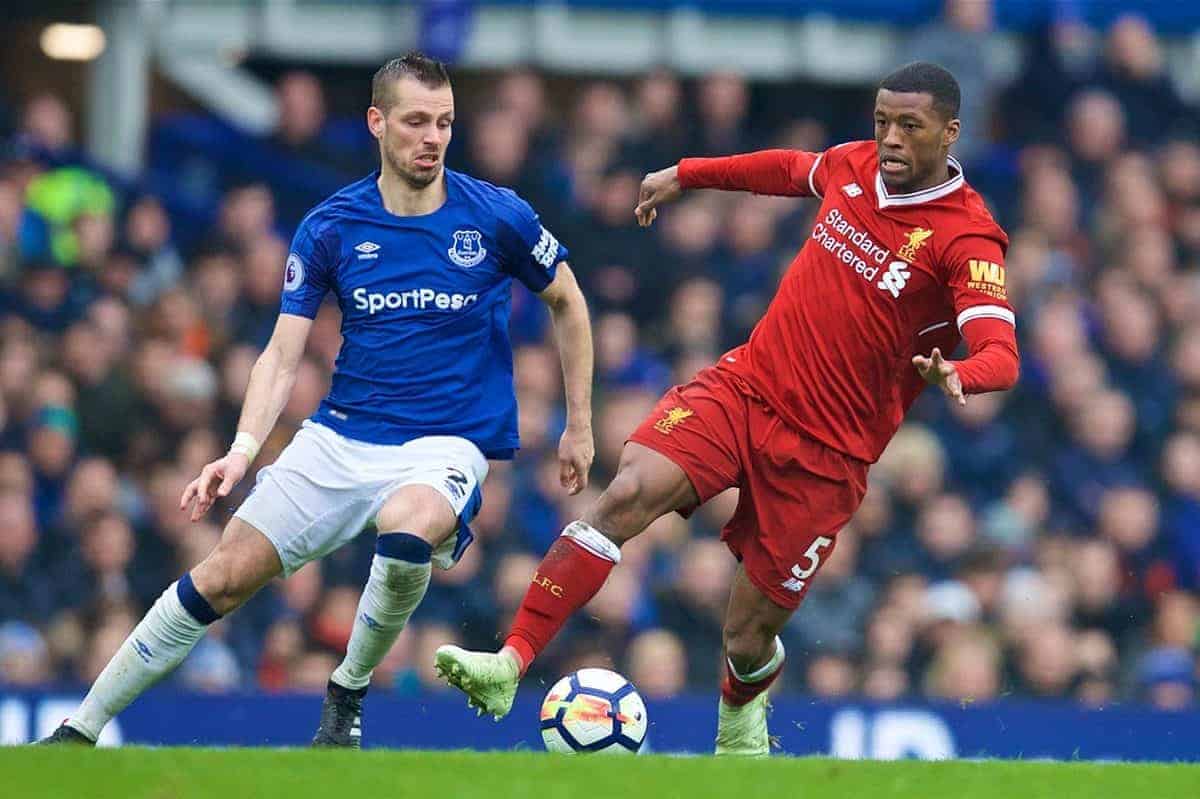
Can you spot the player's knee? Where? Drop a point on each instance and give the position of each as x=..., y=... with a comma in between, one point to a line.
x=620, y=513
x=418, y=510
x=224, y=582
x=748, y=645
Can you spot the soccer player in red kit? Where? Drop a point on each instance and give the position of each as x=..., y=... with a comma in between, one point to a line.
x=903, y=260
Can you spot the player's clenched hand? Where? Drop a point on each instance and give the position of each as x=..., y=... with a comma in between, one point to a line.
x=216, y=479
x=937, y=371
x=575, y=453
x=657, y=188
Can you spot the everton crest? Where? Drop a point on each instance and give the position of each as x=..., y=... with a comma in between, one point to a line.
x=467, y=249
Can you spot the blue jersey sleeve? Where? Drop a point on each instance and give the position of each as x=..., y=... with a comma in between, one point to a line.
x=308, y=276
x=531, y=253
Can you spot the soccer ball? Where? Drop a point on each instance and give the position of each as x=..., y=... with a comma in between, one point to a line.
x=593, y=710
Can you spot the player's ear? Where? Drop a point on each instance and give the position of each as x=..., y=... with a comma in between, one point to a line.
x=375, y=122
x=950, y=134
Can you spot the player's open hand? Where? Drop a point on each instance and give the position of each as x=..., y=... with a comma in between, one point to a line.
x=575, y=453
x=657, y=188
x=937, y=371
x=216, y=480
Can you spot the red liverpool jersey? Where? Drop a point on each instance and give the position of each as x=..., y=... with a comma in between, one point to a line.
x=881, y=278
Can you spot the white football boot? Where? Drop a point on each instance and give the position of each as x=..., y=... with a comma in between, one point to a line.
x=742, y=731
x=489, y=679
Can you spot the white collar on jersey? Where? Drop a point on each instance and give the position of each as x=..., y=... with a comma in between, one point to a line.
x=924, y=195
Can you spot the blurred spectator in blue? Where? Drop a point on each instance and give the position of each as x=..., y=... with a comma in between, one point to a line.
x=210, y=668
x=1181, y=515
x=1129, y=517
x=1134, y=72
x=657, y=664
x=723, y=106
x=102, y=570
x=945, y=528
x=25, y=590
x=302, y=127
x=747, y=265
x=1063, y=56
x=263, y=259
x=1012, y=523
x=147, y=235
x=982, y=447
x=1132, y=344
x=46, y=127
x=45, y=297
x=599, y=120
x=247, y=213
x=51, y=444
x=1166, y=678
x=621, y=360
x=1095, y=131
x=92, y=489
x=960, y=41
x=620, y=265
x=1097, y=457
x=660, y=133
x=1103, y=598
x=24, y=656
x=693, y=604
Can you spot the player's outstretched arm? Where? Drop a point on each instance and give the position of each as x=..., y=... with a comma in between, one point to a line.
x=573, y=334
x=993, y=363
x=780, y=173
x=271, y=382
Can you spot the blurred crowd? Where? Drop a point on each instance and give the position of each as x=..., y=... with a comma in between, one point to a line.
x=1040, y=543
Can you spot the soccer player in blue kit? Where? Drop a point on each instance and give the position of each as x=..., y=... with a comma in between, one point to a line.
x=421, y=260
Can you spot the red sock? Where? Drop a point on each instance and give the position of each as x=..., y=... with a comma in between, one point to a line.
x=568, y=576
x=736, y=692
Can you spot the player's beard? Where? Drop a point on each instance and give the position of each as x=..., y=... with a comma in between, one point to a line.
x=415, y=179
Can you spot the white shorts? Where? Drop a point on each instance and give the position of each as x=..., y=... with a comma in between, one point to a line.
x=324, y=489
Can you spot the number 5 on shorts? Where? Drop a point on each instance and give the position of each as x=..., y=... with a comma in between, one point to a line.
x=814, y=558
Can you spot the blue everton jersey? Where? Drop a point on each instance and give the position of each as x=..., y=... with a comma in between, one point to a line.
x=425, y=306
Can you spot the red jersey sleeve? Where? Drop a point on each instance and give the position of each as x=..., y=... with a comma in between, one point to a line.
x=994, y=364
x=785, y=173
x=976, y=279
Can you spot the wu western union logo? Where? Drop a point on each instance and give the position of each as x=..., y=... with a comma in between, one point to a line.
x=986, y=272
x=916, y=240
x=673, y=417
x=987, y=277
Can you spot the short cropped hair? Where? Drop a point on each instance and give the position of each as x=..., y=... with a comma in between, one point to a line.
x=926, y=78
x=430, y=72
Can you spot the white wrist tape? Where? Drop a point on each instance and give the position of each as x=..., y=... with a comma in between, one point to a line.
x=246, y=444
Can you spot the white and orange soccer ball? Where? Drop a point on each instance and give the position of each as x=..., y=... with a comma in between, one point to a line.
x=593, y=710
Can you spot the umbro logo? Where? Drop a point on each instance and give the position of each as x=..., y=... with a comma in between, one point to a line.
x=368, y=249
x=852, y=190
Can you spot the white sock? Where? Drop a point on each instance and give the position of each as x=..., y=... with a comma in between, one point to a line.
x=393, y=592
x=592, y=540
x=159, y=643
x=764, y=671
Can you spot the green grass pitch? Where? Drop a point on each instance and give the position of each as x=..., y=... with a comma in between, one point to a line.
x=139, y=773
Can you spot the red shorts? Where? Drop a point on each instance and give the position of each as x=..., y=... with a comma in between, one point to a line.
x=796, y=493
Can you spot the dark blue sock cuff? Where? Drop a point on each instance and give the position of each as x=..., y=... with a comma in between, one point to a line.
x=193, y=603
x=404, y=546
